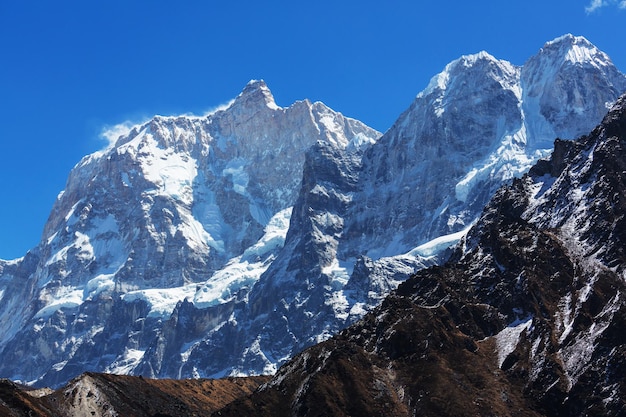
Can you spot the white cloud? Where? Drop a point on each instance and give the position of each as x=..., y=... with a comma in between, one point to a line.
x=112, y=133
x=596, y=4
x=226, y=105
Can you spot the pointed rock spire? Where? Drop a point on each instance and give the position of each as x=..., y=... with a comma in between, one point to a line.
x=255, y=94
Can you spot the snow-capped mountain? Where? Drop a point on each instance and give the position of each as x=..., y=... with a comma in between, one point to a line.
x=480, y=122
x=224, y=244
x=179, y=208
x=356, y=233
x=527, y=319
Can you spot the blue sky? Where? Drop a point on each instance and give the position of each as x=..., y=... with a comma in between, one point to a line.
x=69, y=69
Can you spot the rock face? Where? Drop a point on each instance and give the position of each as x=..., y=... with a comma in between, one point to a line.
x=225, y=244
x=526, y=319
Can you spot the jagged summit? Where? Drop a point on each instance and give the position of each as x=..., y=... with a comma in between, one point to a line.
x=471, y=60
x=256, y=93
x=181, y=207
x=555, y=84
x=576, y=50
x=568, y=41
x=482, y=59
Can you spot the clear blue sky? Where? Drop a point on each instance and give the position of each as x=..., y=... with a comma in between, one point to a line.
x=68, y=69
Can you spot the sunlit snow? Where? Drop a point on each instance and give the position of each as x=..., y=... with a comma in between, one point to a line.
x=438, y=245
x=126, y=362
x=242, y=271
x=507, y=339
x=63, y=297
x=239, y=177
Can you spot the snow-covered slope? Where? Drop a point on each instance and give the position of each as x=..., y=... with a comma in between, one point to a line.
x=224, y=244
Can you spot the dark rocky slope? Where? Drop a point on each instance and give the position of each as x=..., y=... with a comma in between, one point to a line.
x=526, y=319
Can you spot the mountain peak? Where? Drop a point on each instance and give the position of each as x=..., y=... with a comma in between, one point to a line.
x=568, y=40
x=459, y=67
x=471, y=59
x=575, y=50
x=257, y=93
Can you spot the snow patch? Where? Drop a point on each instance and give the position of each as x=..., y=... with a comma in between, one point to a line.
x=63, y=297
x=339, y=271
x=274, y=237
x=126, y=180
x=509, y=160
x=235, y=169
x=507, y=339
x=210, y=224
x=195, y=234
x=97, y=285
x=171, y=172
x=161, y=301
x=127, y=362
x=438, y=245
x=340, y=305
x=360, y=142
x=243, y=271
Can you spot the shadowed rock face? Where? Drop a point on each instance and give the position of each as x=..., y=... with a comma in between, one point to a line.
x=526, y=319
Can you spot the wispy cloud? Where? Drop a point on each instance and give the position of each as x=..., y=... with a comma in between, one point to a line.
x=112, y=133
x=224, y=106
x=596, y=4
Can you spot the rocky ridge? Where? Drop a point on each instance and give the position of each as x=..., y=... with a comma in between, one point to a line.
x=102, y=395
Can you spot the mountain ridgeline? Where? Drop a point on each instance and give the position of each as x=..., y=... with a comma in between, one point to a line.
x=224, y=244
